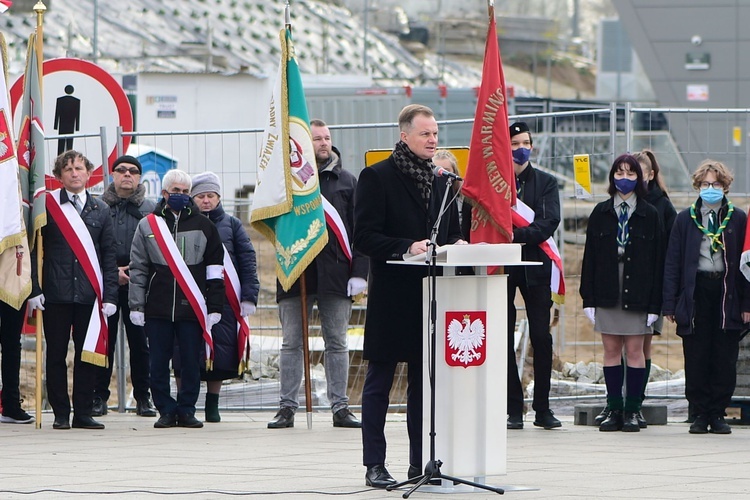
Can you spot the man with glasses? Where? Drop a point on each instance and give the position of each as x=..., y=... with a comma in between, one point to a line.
x=126, y=198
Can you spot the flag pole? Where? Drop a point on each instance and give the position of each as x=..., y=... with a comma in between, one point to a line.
x=39, y=8
x=303, y=296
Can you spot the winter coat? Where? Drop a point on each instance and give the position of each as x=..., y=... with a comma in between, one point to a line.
x=126, y=213
x=643, y=260
x=64, y=280
x=329, y=273
x=681, y=268
x=389, y=216
x=153, y=288
x=663, y=205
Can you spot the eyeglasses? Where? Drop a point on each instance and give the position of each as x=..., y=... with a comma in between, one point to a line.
x=131, y=170
x=715, y=184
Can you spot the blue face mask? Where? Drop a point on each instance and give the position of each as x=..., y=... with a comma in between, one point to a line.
x=178, y=201
x=521, y=156
x=712, y=195
x=625, y=186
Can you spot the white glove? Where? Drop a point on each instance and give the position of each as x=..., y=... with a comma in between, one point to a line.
x=36, y=303
x=137, y=318
x=108, y=309
x=590, y=313
x=247, y=308
x=651, y=319
x=355, y=286
x=212, y=319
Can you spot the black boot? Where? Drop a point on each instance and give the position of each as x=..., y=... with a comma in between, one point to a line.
x=602, y=416
x=630, y=422
x=613, y=422
x=212, y=407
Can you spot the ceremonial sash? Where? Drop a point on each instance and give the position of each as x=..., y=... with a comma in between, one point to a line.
x=334, y=221
x=76, y=234
x=233, y=289
x=184, y=278
x=522, y=216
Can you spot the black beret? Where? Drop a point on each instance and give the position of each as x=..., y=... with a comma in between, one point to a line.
x=519, y=128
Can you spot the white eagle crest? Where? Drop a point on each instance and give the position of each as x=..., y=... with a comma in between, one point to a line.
x=465, y=337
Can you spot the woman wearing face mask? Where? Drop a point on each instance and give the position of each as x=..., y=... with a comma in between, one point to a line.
x=621, y=280
x=706, y=296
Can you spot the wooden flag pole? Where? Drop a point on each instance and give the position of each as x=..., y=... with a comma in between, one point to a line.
x=306, y=349
x=39, y=8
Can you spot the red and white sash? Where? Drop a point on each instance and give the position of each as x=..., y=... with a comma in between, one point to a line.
x=233, y=290
x=184, y=278
x=334, y=221
x=67, y=218
x=523, y=215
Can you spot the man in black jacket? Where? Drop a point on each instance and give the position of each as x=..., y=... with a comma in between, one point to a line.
x=333, y=279
x=67, y=296
x=539, y=191
x=126, y=198
x=176, y=241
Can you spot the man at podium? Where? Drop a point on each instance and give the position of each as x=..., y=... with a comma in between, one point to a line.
x=396, y=204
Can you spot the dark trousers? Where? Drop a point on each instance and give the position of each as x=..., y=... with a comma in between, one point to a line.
x=11, y=323
x=162, y=335
x=710, y=353
x=59, y=319
x=139, y=369
x=377, y=387
x=538, y=301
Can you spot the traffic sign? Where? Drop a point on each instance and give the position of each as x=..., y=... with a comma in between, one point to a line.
x=79, y=98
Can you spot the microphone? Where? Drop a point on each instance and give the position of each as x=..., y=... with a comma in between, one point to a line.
x=441, y=172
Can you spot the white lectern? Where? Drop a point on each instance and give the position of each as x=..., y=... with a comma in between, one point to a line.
x=471, y=362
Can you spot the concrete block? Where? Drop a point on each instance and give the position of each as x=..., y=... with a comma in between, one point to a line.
x=584, y=414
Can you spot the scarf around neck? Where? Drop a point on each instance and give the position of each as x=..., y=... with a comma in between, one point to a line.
x=415, y=168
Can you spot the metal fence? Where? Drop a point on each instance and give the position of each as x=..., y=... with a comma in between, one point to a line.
x=680, y=139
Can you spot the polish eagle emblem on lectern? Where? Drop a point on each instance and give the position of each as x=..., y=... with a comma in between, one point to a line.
x=465, y=338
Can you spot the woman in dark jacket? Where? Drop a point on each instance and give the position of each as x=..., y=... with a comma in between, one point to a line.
x=705, y=294
x=206, y=192
x=621, y=279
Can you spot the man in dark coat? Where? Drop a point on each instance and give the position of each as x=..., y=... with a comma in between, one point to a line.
x=126, y=198
x=67, y=295
x=397, y=203
x=335, y=277
x=539, y=191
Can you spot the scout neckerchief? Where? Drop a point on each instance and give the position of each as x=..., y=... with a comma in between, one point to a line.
x=714, y=237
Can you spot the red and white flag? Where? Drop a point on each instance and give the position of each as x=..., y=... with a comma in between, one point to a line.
x=745, y=257
x=5, y=5
x=523, y=215
x=490, y=181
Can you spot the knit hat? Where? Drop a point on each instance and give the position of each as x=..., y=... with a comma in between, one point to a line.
x=128, y=159
x=206, y=182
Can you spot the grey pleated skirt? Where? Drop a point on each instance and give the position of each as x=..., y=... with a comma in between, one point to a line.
x=617, y=321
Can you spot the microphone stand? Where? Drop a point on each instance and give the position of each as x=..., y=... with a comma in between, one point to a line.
x=432, y=469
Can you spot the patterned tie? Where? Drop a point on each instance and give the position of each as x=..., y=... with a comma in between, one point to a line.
x=712, y=225
x=77, y=204
x=622, y=225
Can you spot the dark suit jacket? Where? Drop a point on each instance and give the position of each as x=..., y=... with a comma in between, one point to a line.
x=389, y=215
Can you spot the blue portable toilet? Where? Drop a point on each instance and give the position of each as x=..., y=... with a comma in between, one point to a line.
x=155, y=163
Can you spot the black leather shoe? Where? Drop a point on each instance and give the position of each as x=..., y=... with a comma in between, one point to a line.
x=719, y=426
x=166, y=421
x=189, y=421
x=642, y=423
x=546, y=419
x=415, y=472
x=630, y=422
x=61, y=423
x=86, y=422
x=145, y=408
x=613, y=422
x=99, y=408
x=515, y=422
x=700, y=425
x=602, y=416
x=284, y=418
x=345, y=418
x=377, y=476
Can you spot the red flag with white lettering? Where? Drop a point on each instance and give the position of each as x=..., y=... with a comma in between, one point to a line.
x=489, y=181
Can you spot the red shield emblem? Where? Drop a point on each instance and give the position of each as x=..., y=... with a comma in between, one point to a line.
x=465, y=338
x=6, y=145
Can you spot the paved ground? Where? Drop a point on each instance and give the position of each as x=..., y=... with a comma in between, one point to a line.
x=240, y=457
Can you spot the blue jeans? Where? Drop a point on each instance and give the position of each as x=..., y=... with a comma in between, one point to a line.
x=334, y=312
x=162, y=334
